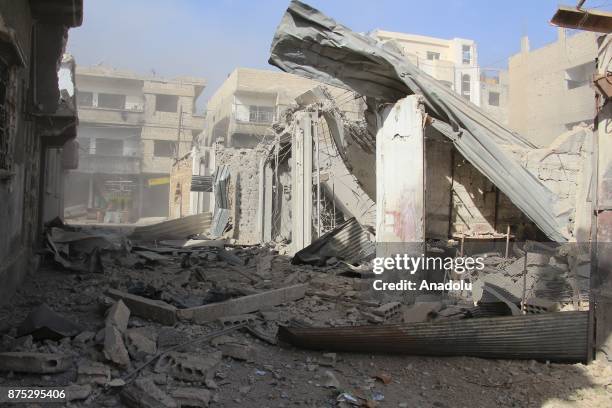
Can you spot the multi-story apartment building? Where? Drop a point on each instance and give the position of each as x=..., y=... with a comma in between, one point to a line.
x=549, y=88
x=453, y=62
x=131, y=130
x=241, y=111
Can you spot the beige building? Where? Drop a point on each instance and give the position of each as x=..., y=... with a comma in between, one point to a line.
x=494, y=93
x=241, y=111
x=549, y=88
x=453, y=62
x=132, y=128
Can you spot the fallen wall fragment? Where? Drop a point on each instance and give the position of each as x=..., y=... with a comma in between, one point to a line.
x=244, y=304
x=310, y=44
x=559, y=337
x=155, y=310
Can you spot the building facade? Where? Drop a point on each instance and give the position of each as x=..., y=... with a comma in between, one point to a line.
x=131, y=130
x=549, y=88
x=36, y=121
x=453, y=62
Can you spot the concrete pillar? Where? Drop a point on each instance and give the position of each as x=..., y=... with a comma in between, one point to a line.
x=90, y=198
x=400, y=180
x=301, y=180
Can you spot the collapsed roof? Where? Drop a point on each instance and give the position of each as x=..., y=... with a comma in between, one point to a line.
x=312, y=45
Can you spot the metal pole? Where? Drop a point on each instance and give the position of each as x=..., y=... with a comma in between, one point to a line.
x=315, y=135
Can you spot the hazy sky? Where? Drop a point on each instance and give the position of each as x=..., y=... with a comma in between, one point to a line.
x=209, y=38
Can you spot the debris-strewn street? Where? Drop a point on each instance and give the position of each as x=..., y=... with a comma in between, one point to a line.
x=233, y=360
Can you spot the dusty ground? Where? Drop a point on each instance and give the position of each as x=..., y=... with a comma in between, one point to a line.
x=281, y=375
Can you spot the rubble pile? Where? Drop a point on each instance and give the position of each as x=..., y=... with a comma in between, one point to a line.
x=168, y=323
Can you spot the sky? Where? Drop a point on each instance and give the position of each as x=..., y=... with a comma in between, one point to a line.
x=210, y=38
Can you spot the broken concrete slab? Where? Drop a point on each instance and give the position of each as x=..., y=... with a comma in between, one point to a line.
x=388, y=310
x=139, y=344
x=75, y=392
x=44, y=323
x=118, y=315
x=92, y=372
x=237, y=351
x=143, y=393
x=420, y=312
x=240, y=319
x=155, y=310
x=243, y=305
x=37, y=363
x=114, y=348
x=191, y=397
x=188, y=366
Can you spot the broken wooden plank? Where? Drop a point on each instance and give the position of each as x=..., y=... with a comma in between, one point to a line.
x=243, y=305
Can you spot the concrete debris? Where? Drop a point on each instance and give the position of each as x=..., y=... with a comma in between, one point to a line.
x=143, y=393
x=76, y=392
x=388, y=310
x=118, y=316
x=43, y=323
x=235, y=320
x=139, y=343
x=420, y=312
x=91, y=372
x=245, y=304
x=191, y=397
x=189, y=367
x=154, y=310
x=330, y=380
x=237, y=351
x=114, y=347
x=37, y=363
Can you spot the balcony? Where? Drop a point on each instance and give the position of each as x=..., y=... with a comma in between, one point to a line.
x=106, y=164
x=89, y=114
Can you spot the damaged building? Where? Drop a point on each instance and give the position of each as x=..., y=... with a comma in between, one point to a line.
x=39, y=124
x=132, y=129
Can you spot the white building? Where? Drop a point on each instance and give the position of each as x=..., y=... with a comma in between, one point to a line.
x=454, y=61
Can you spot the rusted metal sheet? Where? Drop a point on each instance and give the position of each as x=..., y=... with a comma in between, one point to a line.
x=559, y=337
x=590, y=20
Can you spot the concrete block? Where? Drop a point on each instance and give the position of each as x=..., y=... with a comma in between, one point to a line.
x=114, y=348
x=187, y=366
x=75, y=392
x=243, y=305
x=420, y=312
x=38, y=363
x=237, y=351
x=139, y=345
x=154, y=310
x=91, y=372
x=118, y=315
x=191, y=397
x=143, y=393
x=388, y=310
x=234, y=320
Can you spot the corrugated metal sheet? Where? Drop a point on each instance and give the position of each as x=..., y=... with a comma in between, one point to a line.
x=347, y=242
x=174, y=229
x=221, y=186
x=560, y=337
x=202, y=183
